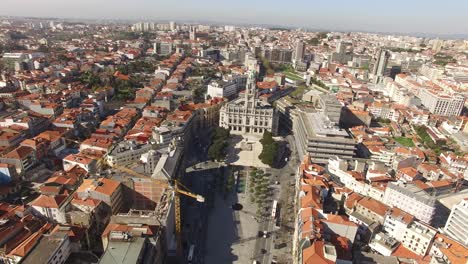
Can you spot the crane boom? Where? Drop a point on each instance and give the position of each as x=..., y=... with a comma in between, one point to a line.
x=129, y=171
x=178, y=228
x=177, y=192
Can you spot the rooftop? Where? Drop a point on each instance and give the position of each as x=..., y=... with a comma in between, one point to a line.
x=125, y=251
x=318, y=124
x=45, y=249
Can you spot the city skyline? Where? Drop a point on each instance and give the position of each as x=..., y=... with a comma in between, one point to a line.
x=399, y=17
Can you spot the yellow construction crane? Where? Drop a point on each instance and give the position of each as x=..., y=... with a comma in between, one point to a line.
x=127, y=170
x=179, y=189
x=178, y=227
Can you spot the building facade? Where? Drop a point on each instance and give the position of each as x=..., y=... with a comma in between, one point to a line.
x=248, y=115
x=410, y=198
x=442, y=104
x=315, y=134
x=457, y=225
x=381, y=62
x=418, y=237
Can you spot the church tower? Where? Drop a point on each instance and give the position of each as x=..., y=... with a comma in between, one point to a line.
x=251, y=90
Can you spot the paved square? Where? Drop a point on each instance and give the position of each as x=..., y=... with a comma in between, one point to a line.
x=244, y=151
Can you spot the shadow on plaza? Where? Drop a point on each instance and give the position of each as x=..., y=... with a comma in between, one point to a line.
x=223, y=230
x=232, y=151
x=283, y=156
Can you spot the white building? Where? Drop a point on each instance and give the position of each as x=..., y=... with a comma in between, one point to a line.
x=229, y=87
x=52, y=207
x=410, y=198
x=396, y=222
x=383, y=244
x=248, y=115
x=339, y=169
x=418, y=238
x=127, y=152
x=431, y=72
x=221, y=89
x=457, y=223
x=172, y=25
x=442, y=104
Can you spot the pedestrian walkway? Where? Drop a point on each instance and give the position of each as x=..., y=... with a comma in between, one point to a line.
x=231, y=234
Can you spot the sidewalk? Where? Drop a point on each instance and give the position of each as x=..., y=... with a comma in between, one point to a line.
x=231, y=234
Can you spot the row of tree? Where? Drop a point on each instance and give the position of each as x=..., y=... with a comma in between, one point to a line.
x=259, y=189
x=318, y=83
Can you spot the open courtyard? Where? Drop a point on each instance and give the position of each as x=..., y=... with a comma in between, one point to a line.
x=244, y=151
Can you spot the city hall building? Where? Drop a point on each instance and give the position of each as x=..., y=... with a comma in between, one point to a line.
x=248, y=115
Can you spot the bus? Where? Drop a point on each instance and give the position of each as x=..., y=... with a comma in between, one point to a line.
x=273, y=209
x=190, y=254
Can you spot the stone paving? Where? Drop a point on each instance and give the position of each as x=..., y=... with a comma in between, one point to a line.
x=231, y=234
x=238, y=152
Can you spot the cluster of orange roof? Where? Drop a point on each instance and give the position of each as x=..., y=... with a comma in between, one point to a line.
x=313, y=219
x=120, y=122
x=143, y=129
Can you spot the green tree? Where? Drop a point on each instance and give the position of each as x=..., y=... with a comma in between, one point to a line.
x=269, y=149
x=90, y=79
x=198, y=94
x=313, y=42
x=217, y=150
x=322, y=35
x=318, y=83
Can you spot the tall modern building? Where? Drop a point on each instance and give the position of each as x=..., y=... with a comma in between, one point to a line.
x=172, y=25
x=437, y=45
x=316, y=135
x=277, y=55
x=340, y=55
x=248, y=115
x=341, y=47
x=381, y=62
x=299, y=51
x=331, y=107
x=193, y=32
x=457, y=225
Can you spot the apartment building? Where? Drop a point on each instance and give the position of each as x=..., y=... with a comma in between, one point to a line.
x=53, y=208
x=410, y=198
x=371, y=209
x=443, y=104
x=457, y=225
x=222, y=89
x=418, y=237
x=51, y=249
x=103, y=189
x=127, y=152
x=396, y=222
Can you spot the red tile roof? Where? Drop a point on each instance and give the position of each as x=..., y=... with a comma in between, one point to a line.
x=49, y=201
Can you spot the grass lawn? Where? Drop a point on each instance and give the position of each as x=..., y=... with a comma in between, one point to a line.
x=407, y=142
x=293, y=76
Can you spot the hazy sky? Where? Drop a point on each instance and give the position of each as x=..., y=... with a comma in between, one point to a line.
x=427, y=16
